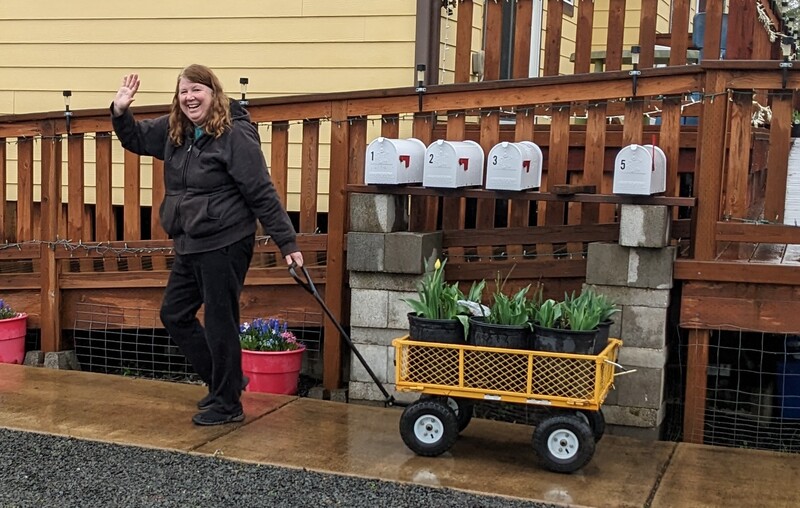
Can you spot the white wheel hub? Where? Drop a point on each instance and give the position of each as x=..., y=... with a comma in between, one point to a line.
x=563, y=444
x=428, y=429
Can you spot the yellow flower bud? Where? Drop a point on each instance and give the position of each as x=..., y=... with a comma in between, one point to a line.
x=438, y=264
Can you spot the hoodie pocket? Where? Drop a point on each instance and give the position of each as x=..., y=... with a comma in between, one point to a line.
x=198, y=217
x=168, y=214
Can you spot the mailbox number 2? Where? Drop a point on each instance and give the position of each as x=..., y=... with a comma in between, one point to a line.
x=622, y=164
x=430, y=160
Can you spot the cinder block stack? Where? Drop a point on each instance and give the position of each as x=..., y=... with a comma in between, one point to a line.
x=637, y=274
x=385, y=263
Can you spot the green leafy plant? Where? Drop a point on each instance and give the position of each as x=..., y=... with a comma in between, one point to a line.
x=267, y=335
x=581, y=313
x=548, y=314
x=439, y=300
x=509, y=310
x=6, y=312
x=587, y=310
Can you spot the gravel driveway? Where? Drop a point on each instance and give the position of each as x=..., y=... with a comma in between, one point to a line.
x=41, y=471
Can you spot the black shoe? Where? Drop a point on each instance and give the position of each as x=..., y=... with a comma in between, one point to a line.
x=211, y=417
x=208, y=401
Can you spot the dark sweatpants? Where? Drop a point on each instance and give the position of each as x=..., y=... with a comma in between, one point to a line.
x=215, y=279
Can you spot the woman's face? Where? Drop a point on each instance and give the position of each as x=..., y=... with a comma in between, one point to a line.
x=195, y=100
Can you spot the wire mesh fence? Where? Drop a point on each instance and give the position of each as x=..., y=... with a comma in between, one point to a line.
x=132, y=342
x=752, y=397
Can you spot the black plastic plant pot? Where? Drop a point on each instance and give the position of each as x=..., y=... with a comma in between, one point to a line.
x=447, y=331
x=503, y=336
x=558, y=340
x=603, y=332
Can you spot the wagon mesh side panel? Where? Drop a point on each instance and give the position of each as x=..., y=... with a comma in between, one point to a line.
x=559, y=377
x=429, y=365
x=496, y=371
x=564, y=377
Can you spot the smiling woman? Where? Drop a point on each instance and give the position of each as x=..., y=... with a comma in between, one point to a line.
x=216, y=185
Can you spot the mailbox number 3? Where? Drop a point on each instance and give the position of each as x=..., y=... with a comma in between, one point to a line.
x=494, y=160
x=622, y=164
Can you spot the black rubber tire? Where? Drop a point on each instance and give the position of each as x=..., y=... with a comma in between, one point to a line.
x=596, y=421
x=563, y=443
x=429, y=427
x=463, y=408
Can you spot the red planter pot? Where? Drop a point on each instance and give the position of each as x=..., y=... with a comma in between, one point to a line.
x=273, y=371
x=12, y=339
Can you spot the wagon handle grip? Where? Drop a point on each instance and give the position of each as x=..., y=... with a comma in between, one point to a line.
x=306, y=284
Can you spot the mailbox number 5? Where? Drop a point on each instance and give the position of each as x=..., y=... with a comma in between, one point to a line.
x=622, y=164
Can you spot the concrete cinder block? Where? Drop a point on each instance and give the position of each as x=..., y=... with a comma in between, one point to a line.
x=365, y=252
x=369, y=392
x=644, y=226
x=339, y=395
x=317, y=392
x=408, y=252
x=658, y=298
x=62, y=360
x=391, y=281
x=651, y=268
x=376, y=336
x=643, y=389
x=644, y=327
x=34, y=358
x=633, y=416
x=607, y=264
x=369, y=308
x=399, y=309
x=635, y=357
x=378, y=213
x=377, y=357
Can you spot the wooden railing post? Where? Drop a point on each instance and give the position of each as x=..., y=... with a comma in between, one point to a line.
x=51, y=206
x=713, y=130
x=778, y=158
x=337, y=226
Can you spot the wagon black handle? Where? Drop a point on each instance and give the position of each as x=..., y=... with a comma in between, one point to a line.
x=306, y=284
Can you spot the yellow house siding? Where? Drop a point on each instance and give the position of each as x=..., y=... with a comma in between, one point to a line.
x=284, y=47
x=632, y=22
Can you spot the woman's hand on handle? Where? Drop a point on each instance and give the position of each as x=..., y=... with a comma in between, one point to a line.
x=295, y=257
x=124, y=97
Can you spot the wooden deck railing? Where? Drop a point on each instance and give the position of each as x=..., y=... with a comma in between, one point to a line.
x=53, y=255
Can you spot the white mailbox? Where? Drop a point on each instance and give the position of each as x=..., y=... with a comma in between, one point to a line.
x=453, y=164
x=640, y=169
x=514, y=166
x=394, y=161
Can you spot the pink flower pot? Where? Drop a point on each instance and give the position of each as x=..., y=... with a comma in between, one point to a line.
x=273, y=371
x=12, y=339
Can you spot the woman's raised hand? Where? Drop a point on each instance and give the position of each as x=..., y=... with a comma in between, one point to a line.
x=124, y=97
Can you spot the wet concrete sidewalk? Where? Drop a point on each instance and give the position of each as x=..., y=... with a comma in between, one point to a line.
x=490, y=457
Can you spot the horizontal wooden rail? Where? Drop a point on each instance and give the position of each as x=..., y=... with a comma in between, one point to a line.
x=531, y=235
x=533, y=269
x=524, y=195
x=757, y=233
x=732, y=271
x=273, y=276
